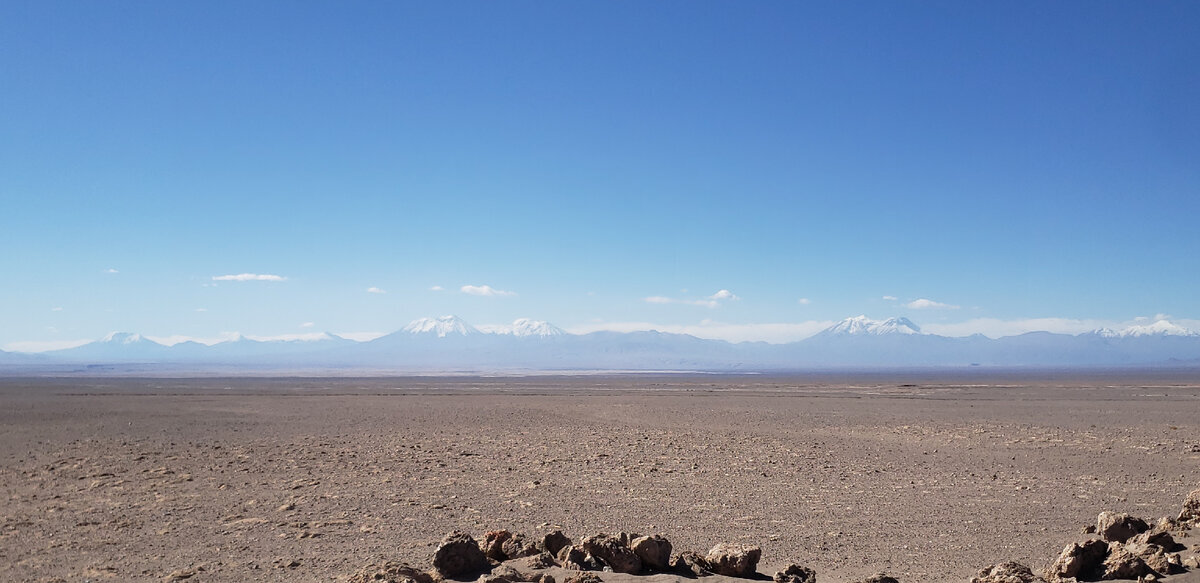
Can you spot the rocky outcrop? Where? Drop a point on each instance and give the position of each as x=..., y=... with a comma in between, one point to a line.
x=458, y=554
x=555, y=541
x=733, y=560
x=691, y=564
x=654, y=551
x=390, y=573
x=1123, y=564
x=1119, y=527
x=1009, y=572
x=879, y=578
x=493, y=544
x=796, y=574
x=1191, y=507
x=610, y=550
x=1083, y=561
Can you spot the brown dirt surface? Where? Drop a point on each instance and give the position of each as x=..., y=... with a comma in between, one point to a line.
x=927, y=479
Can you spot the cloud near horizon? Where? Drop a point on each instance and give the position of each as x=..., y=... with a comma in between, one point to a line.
x=924, y=304
x=249, y=277
x=712, y=301
x=485, y=291
x=772, y=332
x=375, y=290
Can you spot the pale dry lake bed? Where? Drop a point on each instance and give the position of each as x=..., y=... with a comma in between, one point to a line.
x=927, y=477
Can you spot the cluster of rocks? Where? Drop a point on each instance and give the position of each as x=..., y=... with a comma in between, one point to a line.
x=1123, y=547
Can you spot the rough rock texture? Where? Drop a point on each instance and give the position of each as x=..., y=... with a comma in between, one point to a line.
x=518, y=545
x=573, y=558
x=879, y=578
x=734, y=560
x=690, y=563
x=1123, y=564
x=555, y=541
x=1009, y=572
x=506, y=573
x=1119, y=527
x=584, y=578
x=1191, y=507
x=390, y=573
x=1157, y=537
x=458, y=554
x=1153, y=555
x=611, y=552
x=654, y=551
x=540, y=561
x=493, y=544
x=796, y=574
x=1080, y=560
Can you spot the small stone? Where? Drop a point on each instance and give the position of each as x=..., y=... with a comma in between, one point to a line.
x=734, y=560
x=880, y=578
x=796, y=574
x=583, y=578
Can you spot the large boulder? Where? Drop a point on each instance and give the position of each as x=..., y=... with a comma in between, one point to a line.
x=654, y=551
x=1121, y=563
x=390, y=573
x=458, y=554
x=1083, y=561
x=691, y=564
x=1153, y=555
x=518, y=545
x=1191, y=507
x=611, y=552
x=555, y=541
x=1009, y=572
x=1119, y=527
x=574, y=558
x=796, y=574
x=734, y=560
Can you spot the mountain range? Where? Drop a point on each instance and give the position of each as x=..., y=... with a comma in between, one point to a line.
x=449, y=344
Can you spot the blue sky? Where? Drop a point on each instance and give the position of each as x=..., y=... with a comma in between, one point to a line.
x=1026, y=165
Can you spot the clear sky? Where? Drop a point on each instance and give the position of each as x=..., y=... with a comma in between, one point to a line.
x=991, y=166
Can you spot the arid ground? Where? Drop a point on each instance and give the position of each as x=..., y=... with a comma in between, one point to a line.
x=927, y=478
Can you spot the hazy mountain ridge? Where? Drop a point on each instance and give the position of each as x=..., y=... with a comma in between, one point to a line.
x=450, y=343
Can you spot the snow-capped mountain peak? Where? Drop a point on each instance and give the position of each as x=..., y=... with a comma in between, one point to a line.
x=864, y=326
x=525, y=327
x=122, y=338
x=442, y=327
x=1158, y=328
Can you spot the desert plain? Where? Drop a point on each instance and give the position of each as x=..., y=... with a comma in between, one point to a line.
x=927, y=477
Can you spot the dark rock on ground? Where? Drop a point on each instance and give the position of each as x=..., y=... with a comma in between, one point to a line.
x=1119, y=527
x=654, y=551
x=574, y=558
x=691, y=564
x=1009, y=572
x=540, y=561
x=459, y=554
x=796, y=574
x=879, y=578
x=555, y=541
x=518, y=545
x=1084, y=561
x=734, y=560
x=584, y=578
x=390, y=573
x=611, y=552
x=493, y=544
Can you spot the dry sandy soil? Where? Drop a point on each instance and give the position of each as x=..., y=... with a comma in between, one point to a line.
x=928, y=479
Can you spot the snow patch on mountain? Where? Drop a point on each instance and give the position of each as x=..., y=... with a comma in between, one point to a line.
x=525, y=327
x=1158, y=328
x=122, y=338
x=442, y=327
x=864, y=326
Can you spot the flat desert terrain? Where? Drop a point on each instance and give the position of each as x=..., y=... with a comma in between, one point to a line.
x=927, y=478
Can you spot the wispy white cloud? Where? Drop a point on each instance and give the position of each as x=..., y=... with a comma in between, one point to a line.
x=375, y=290
x=485, y=290
x=111, y=270
x=804, y=301
x=712, y=301
x=890, y=298
x=774, y=332
x=249, y=277
x=924, y=304
x=56, y=309
x=201, y=309
x=723, y=295
x=307, y=325
x=437, y=288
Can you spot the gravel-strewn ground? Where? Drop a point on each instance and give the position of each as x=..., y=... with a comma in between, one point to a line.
x=307, y=480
